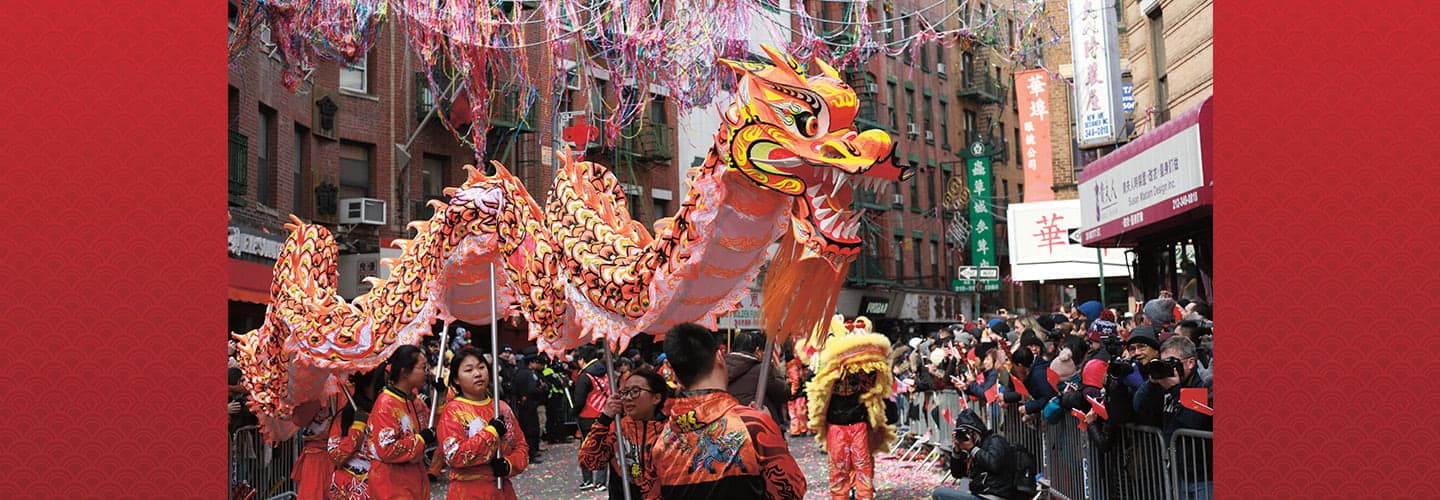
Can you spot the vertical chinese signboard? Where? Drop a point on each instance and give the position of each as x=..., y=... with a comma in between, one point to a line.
x=1034, y=105
x=1095, y=52
x=982, y=222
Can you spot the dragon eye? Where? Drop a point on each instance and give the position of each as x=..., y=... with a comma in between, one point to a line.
x=807, y=124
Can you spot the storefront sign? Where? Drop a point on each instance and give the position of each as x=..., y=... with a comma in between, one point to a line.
x=1095, y=52
x=1041, y=249
x=1164, y=173
x=245, y=241
x=747, y=317
x=1033, y=98
x=874, y=307
x=982, y=222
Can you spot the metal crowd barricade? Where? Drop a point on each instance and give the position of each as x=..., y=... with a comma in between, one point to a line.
x=266, y=469
x=1068, y=463
x=1191, y=461
x=1136, y=465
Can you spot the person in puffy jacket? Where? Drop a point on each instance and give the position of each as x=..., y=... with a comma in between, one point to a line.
x=986, y=457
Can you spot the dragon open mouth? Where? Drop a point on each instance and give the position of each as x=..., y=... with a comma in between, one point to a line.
x=830, y=194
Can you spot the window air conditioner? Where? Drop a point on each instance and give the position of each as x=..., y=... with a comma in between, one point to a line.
x=362, y=211
x=871, y=88
x=930, y=136
x=912, y=130
x=940, y=68
x=898, y=200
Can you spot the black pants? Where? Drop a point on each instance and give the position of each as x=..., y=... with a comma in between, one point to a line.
x=556, y=414
x=530, y=425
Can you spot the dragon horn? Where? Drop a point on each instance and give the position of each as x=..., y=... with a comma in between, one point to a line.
x=826, y=69
x=787, y=65
x=420, y=226
x=472, y=174
x=449, y=191
x=295, y=223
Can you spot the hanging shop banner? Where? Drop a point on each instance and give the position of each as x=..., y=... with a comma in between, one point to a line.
x=1044, y=244
x=1095, y=53
x=982, y=222
x=1033, y=96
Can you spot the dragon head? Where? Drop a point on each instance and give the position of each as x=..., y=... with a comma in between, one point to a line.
x=795, y=134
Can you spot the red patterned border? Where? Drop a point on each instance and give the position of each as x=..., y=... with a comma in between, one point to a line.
x=115, y=280
x=1325, y=149
x=111, y=116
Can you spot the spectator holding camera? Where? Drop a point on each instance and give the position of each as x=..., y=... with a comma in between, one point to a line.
x=986, y=457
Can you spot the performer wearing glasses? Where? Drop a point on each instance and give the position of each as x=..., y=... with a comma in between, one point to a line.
x=641, y=396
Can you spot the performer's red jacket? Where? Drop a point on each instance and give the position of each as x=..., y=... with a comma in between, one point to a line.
x=714, y=447
x=468, y=443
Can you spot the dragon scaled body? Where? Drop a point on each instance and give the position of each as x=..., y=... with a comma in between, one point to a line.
x=579, y=268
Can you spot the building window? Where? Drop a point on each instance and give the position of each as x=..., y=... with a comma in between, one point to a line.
x=935, y=262
x=265, y=158
x=433, y=175
x=297, y=193
x=657, y=109
x=899, y=258
x=970, y=132
x=934, y=186
x=356, y=76
x=1020, y=192
x=1004, y=192
x=924, y=57
x=915, y=193
x=662, y=209
x=894, y=105
x=910, y=106
x=944, y=125
x=354, y=170
x=967, y=65
x=929, y=120
x=1019, y=160
x=916, y=250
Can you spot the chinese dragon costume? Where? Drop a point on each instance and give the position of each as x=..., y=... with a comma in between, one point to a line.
x=847, y=401
x=783, y=166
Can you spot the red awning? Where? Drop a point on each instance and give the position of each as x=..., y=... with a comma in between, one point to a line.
x=249, y=281
x=1162, y=212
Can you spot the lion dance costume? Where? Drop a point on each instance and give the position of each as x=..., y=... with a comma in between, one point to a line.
x=847, y=405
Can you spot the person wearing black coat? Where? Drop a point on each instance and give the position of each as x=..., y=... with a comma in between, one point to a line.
x=986, y=457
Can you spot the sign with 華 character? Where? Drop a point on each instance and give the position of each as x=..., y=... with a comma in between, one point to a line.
x=982, y=222
x=1042, y=248
x=1033, y=96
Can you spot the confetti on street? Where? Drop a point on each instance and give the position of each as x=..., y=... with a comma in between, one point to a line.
x=559, y=476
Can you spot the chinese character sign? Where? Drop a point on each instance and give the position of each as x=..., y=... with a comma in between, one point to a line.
x=982, y=236
x=1033, y=94
x=1095, y=52
x=1041, y=247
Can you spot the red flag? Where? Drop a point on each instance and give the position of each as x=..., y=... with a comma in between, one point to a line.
x=1195, y=398
x=1099, y=408
x=1053, y=378
x=1020, y=386
x=1079, y=415
x=945, y=413
x=993, y=393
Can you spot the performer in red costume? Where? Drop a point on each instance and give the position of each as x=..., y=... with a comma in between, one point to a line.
x=345, y=446
x=848, y=400
x=642, y=395
x=397, y=438
x=799, y=417
x=470, y=433
x=313, y=470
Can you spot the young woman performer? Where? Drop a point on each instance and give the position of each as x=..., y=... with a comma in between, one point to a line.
x=470, y=432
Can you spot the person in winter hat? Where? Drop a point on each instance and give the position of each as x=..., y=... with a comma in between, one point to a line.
x=984, y=456
x=1091, y=309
